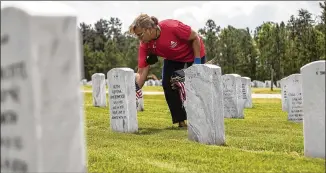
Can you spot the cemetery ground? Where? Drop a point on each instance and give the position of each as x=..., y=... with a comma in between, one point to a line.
x=160, y=89
x=262, y=142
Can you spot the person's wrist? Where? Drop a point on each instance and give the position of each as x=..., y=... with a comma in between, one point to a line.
x=197, y=60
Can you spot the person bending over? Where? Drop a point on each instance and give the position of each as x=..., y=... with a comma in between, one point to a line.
x=180, y=47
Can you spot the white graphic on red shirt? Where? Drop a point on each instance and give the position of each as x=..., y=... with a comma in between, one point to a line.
x=173, y=44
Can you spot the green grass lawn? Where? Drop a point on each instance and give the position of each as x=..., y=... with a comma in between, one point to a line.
x=262, y=142
x=159, y=88
x=266, y=91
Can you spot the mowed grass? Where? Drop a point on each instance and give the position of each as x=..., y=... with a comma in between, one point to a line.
x=262, y=142
x=265, y=91
x=160, y=88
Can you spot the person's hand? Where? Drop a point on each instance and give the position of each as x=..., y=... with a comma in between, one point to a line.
x=197, y=60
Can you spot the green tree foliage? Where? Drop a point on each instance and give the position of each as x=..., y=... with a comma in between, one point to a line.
x=270, y=51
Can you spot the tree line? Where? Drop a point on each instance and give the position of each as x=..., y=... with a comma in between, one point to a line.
x=270, y=51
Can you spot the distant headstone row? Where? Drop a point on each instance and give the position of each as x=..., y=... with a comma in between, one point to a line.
x=303, y=98
x=99, y=92
x=266, y=84
x=152, y=82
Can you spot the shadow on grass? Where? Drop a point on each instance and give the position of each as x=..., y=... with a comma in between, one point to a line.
x=176, y=128
x=148, y=131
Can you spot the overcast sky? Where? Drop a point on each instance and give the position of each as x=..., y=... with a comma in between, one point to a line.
x=239, y=14
x=195, y=13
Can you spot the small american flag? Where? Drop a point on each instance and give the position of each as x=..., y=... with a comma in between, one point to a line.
x=182, y=92
x=139, y=94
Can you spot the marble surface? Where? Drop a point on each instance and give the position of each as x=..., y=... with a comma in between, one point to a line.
x=84, y=82
x=278, y=84
x=232, y=95
x=295, y=100
x=230, y=99
x=99, y=90
x=268, y=84
x=313, y=89
x=43, y=92
x=204, y=104
x=258, y=84
x=246, y=91
x=284, y=94
x=122, y=100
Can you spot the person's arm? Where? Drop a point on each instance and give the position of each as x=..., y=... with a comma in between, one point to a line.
x=185, y=32
x=143, y=67
x=195, y=45
x=141, y=76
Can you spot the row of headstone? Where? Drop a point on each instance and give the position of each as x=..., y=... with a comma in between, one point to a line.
x=210, y=98
x=152, y=82
x=42, y=121
x=258, y=84
x=291, y=94
x=236, y=95
x=99, y=92
x=205, y=105
x=266, y=84
x=303, y=98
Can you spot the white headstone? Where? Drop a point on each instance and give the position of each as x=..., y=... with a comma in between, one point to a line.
x=204, y=104
x=231, y=96
x=278, y=84
x=259, y=84
x=284, y=94
x=267, y=84
x=157, y=83
x=246, y=91
x=313, y=89
x=151, y=82
x=99, y=90
x=84, y=81
x=42, y=126
x=122, y=100
x=295, y=112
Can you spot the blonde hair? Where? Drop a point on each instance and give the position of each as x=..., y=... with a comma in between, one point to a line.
x=143, y=21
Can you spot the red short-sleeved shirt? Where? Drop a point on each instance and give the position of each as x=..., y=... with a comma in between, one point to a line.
x=172, y=44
